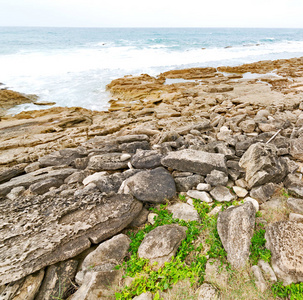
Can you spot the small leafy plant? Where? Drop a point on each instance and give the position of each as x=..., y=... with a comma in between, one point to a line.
x=257, y=247
x=293, y=291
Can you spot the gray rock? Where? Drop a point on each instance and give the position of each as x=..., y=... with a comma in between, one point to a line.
x=43, y=186
x=105, y=257
x=134, y=146
x=107, y=161
x=225, y=150
x=262, y=165
x=195, y=161
x=60, y=173
x=62, y=157
x=145, y=159
x=268, y=272
x=150, y=186
x=207, y=292
x=204, y=187
x=161, y=244
x=80, y=163
x=294, y=184
x=296, y=205
x=216, y=178
x=296, y=148
x=132, y=138
x=58, y=280
x=76, y=177
x=184, y=212
x=236, y=227
x=200, y=195
x=264, y=192
x=141, y=219
x=12, y=172
x=285, y=239
x=183, y=184
x=42, y=230
x=260, y=281
x=32, y=167
x=222, y=194
x=15, y=192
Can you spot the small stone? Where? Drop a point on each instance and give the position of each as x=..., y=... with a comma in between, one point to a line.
x=44, y=186
x=240, y=192
x=204, y=187
x=248, y=126
x=241, y=183
x=151, y=217
x=296, y=217
x=216, y=178
x=184, y=184
x=94, y=177
x=260, y=282
x=184, y=212
x=203, y=196
x=214, y=211
x=263, y=192
x=222, y=194
x=267, y=271
x=15, y=193
x=296, y=205
x=125, y=157
x=253, y=201
x=32, y=167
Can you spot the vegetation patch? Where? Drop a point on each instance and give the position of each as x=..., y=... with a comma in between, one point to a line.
x=293, y=291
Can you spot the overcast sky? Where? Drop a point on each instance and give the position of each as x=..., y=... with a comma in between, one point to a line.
x=153, y=13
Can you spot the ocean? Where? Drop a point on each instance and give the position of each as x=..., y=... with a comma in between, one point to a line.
x=72, y=66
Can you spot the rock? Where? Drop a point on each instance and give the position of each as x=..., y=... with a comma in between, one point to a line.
x=132, y=138
x=150, y=186
x=203, y=196
x=222, y=194
x=42, y=187
x=184, y=212
x=260, y=281
x=146, y=159
x=151, y=217
x=294, y=184
x=140, y=220
x=30, y=287
x=296, y=217
x=262, y=165
x=42, y=230
x=161, y=244
x=184, y=184
x=296, y=205
x=12, y=172
x=76, y=177
x=296, y=148
x=144, y=296
x=285, y=239
x=240, y=192
x=125, y=156
x=40, y=175
x=195, y=161
x=268, y=272
x=62, y=157
x=216, y=273
x=94, y=177
x=264, y=192
x=107, y=161
x=216, y=178
x=134, y=146
x=204, y=187
x=248, y=126
x=105, y=257
x=253, y=201
x=58, y=280
x=207, y=292
x=15, y=193
x=32, y=167
x=236, y=227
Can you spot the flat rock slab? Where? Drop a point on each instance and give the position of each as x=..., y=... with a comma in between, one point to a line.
x=195, y=161
x=184, y=212
x=222, y=194
x=236, y=228
x=39, y=231
x=285, y=240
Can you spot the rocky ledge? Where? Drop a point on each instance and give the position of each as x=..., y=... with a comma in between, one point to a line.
x=73, y=181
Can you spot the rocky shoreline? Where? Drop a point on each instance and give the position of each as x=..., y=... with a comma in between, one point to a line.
x=74, y=182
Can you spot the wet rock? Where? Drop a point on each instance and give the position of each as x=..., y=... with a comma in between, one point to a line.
x=296, y=148
x=222, y=194
x=262, y=165
x=107, y=161
x=58, y=280
x=145, y=159
x=284, y=239
x=296, y=205
x=216, y=178
x=200, y=195
x=150, y=186
x=184, y=212
x=42, y=187
x=51, y=229
x=236, y=227
x=264, y=192
x=161, y=244
x=62, y=157
x=207, y=292
x=184, y=184
x=195, y=161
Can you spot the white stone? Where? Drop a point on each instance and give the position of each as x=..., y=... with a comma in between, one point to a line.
x=216, y=210
x=240, y=192
x=296, y=217
x=204, y=187
x=150, y=218
x=253, y=201
x=203, y=196
x=125, y=156
x=267, y=271
x=94, y=177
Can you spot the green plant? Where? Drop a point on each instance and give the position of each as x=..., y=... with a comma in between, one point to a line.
x=285, y=193
x=293, y=291
x=182, y=198
x=258, y=214
x=257, y=247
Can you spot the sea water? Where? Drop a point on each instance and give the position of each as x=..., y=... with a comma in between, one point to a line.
x=72, y=66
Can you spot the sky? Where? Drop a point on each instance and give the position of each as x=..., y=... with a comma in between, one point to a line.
x=154, y=13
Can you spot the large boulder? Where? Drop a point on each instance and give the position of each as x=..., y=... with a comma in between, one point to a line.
x=262, y=165
x=236, y=228
x=39, y=231
x=161, y=244
x=285, y=239
x=150, y=186
x=195, y=161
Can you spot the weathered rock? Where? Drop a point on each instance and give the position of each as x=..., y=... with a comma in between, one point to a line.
x=94, y=177
x=32, y=167
x=76, y=177
x=294, y=184
x=134, y=146
x=296, y=148
x=248, y=126
x=268, y=272
x=262, y=165
x=43, y=186
x=264, y=192
x=222, y=194
x=141, y=219
x=207, y=292
x=236, y=227
x=296, y=217
x=216, y=273
x=105, y=257
x=12, y=172
x=253, y=201
x=216, y=178
x=150, y=186
x=15, y=192
x=107, y=161
x=160, y=244
x=296, y=205
x=184, y=184
x=200, y=195
x=198, y=162
x=42, y=230
x=62, y=157
x=285, y=239
x=58, y=280
x=204, y=187
x=144, y=296
x=260, y=281
x=240, y=192
x=145, y=159
x=184, y=212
